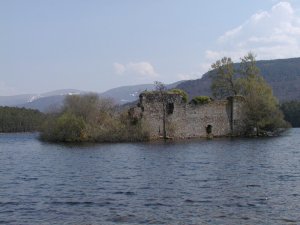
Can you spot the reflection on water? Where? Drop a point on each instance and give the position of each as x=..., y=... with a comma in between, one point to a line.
x=224, y=181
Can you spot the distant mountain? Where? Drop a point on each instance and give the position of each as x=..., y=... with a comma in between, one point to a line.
x=15, y=100
x=43, y=102
x=63, y=92
x=53, y=100
x=49, y=101
x=282, y=74
x=126, y=94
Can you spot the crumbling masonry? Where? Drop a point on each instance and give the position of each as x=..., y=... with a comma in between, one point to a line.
x=187, y=120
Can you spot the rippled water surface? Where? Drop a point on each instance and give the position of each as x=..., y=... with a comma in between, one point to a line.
x=223, y=181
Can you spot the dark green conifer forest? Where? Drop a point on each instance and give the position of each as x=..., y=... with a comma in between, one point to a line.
x=291, y=111
x=13, y=119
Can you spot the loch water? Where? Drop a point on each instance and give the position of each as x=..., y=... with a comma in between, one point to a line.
x=219, y=181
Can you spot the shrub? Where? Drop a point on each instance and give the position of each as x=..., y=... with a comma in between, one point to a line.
x=88, y=118
x=200, y=100
x=65, y=128
x=183, y=94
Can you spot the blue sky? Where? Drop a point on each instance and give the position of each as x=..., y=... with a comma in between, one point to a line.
x=96, y=45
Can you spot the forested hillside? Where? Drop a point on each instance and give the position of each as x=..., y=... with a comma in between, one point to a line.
x=282, y=74
x=13, y=119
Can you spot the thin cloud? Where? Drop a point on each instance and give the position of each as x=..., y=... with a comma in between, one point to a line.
x=189, y=76
x=119, y=68
x=140, y=69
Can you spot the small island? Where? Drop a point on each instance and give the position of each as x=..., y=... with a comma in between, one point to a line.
x=243, y=104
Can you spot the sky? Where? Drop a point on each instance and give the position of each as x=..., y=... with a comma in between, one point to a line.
x=96, y=45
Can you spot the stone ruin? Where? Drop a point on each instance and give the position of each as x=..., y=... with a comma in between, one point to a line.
x=187, y=120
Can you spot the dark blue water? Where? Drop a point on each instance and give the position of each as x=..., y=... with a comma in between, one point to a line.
x=223, y=181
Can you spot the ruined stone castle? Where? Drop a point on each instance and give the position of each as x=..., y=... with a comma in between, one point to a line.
x=187, y=120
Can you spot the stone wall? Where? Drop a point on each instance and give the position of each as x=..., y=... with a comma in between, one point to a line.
x=238, y=126
x=223, y=117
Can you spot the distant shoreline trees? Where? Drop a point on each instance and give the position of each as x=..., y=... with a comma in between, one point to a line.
x=291, y=111
x=13, y=119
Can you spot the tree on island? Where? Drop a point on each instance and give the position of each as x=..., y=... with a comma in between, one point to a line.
x=225, y=82
x=88, y=118
x=162, y=94
x=261, y=106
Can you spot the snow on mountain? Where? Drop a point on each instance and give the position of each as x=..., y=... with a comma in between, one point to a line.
x=50, y=100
